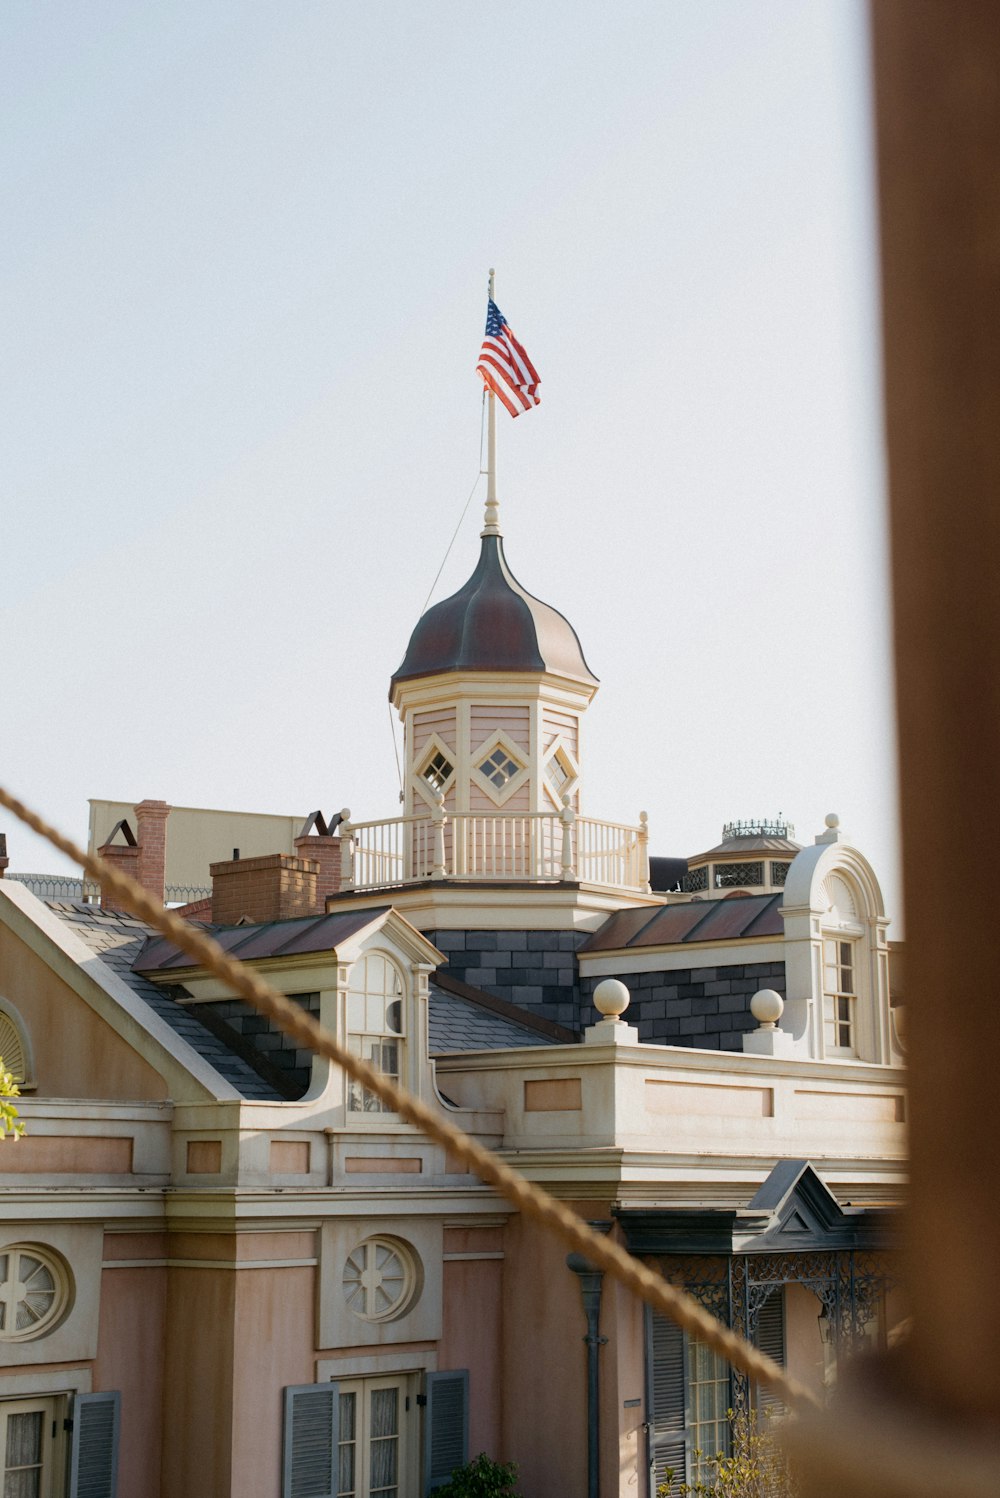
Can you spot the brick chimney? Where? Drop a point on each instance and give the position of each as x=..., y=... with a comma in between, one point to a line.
x=273, y=887
x=123, y=856
x=151, y=835
x=324, y=851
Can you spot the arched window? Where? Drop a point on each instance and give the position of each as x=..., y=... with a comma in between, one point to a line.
x=843, y=967
x=15, y=1047
x=375, y=1024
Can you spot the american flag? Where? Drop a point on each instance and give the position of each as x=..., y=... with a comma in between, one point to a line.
x=504, y=365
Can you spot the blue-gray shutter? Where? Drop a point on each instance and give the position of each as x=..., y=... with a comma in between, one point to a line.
x=446, y=1426
x=666, y=1401
x=309, y=1456
x=93, y=1450
x=769, y=1336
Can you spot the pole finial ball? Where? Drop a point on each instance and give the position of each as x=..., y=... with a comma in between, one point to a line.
x=832, y=820
x=611, y=998
x=767, y=1007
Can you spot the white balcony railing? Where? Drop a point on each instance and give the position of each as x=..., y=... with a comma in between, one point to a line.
x=538, y=847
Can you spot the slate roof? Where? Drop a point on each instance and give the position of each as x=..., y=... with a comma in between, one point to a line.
x=733, y=919
x=117, y=940
x=456, y=1022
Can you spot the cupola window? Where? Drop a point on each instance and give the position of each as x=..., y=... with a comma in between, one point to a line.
x=557, y=774
x=438, y=771
x=499, y=768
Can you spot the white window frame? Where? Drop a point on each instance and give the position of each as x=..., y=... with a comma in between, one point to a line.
x=370, y=1106
x=53, y=1409
x=557, y=750
x=434, y=746
x=499, y=740
x=361, y=1389
x=835, y=994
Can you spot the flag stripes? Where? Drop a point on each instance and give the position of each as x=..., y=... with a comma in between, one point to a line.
x=504, y=365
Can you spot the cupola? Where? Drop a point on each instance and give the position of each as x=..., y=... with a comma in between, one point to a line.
x=493, y=624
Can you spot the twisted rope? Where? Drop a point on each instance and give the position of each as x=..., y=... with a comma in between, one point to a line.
x=529, y=1199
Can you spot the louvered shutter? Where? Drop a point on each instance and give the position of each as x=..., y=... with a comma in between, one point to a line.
x=309, y=1441
x=666, y=1401
x=93, y=1452
x=769, y=1336
x=446, y=1426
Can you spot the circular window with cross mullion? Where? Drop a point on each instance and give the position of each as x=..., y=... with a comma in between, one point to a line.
x=34, y=1292
x=380, y=1279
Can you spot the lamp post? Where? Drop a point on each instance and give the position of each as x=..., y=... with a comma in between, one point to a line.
x=590, y=1292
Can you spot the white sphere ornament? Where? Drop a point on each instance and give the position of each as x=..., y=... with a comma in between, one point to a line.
x=611, y=997
x=767, y=1007
x=832, y=820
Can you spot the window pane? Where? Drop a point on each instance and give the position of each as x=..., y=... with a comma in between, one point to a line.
x=24, y=1439
x=346, y=1484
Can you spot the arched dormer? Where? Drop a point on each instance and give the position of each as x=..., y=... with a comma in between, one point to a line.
x=491, y=692
x=837, y=954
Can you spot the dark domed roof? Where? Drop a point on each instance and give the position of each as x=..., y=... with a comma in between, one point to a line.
x=492, y=624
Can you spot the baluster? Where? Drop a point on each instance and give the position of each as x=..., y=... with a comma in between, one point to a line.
x=438, y=818
x=643, y=880
x=346, y=850
x=567, y=817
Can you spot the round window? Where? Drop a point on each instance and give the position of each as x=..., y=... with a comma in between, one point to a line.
x=34, y=1292
x=380, y=1279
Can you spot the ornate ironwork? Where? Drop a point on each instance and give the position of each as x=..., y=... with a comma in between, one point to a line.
x=694, y=880
x=779, y=873
x=734, y=875
x=849, y=1284
x=777, y=828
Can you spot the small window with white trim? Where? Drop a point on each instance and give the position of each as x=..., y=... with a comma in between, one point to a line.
x=32, y=1450
x=375, y=1024
x=499, y=767
x=437, y=771
x=839, y=996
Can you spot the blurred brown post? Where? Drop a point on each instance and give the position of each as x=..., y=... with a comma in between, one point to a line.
x=929, y=1419
x=937, y=86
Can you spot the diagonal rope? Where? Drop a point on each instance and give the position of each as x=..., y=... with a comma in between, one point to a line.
x=529, y=1199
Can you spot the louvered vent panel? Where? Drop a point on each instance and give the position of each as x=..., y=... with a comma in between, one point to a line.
x=667, y=1424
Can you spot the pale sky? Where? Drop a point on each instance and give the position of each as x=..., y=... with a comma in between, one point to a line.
x=245, y=248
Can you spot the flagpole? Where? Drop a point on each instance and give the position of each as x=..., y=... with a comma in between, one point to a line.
x=492, y=517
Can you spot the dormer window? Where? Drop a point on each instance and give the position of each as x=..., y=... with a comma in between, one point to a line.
x=438, y=771
x=499, y=767
x=375, y=1025
x=839, y=996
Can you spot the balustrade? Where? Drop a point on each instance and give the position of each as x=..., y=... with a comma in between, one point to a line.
x=542, y=847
